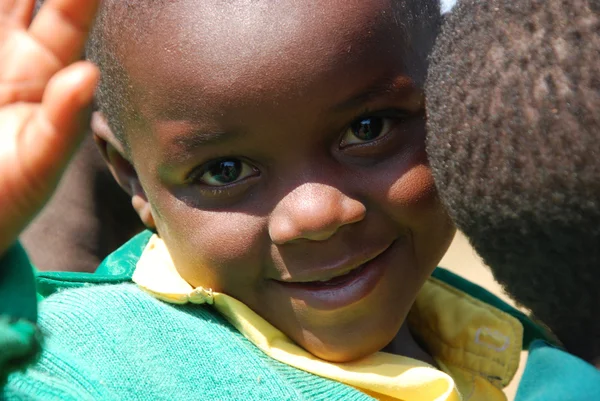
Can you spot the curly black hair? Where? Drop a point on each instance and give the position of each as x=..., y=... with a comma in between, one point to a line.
x=513, y=99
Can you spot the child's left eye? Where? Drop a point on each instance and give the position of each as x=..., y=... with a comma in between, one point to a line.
x=365, y=130
x=223, y=172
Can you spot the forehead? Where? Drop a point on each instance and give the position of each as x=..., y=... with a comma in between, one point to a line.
x=191, y=52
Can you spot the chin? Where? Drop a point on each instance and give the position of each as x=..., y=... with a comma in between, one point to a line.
x=350, y=344
x=358, y=329
x=346, y=355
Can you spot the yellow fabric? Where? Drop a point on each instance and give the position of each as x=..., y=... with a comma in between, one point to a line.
x=476, y=346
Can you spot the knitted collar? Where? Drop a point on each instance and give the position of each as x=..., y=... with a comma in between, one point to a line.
x=476, y=345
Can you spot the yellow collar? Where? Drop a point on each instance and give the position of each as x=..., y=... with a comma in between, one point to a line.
x=476, y=345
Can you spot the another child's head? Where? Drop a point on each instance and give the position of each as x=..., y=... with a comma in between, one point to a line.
x=514, y=142
x=278, y=148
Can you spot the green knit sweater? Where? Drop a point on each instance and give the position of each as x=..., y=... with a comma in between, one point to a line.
x=107, y=340
x=104, y=339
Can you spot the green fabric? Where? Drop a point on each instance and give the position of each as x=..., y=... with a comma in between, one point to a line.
x=117, y=268
x=115, y=342
x=532, y=331
x=552, y=374
x=17, y=285
x=20, y=344
x=19, y=336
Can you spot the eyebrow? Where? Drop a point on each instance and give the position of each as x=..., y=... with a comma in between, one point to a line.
x=180, y=146
x=398, y=87
x=197, y=139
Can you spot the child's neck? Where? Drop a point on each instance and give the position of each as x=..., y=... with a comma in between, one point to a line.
x=405, y=344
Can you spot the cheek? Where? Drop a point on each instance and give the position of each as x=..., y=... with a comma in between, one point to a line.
x=413, y=192
x=404, y=181
x=412, y=201
x=219, y=250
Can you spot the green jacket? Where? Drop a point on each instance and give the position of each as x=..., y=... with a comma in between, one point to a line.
x=209, y=360
x=553, y=374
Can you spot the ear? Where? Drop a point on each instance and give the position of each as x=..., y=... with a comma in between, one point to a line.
x=114, y=154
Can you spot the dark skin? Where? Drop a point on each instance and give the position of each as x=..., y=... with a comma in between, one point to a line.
x=283, y=142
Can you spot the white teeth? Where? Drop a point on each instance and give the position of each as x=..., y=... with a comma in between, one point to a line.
x=332, y=277
x=324, y=280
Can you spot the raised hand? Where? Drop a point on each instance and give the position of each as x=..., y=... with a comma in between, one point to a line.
x=44, y=97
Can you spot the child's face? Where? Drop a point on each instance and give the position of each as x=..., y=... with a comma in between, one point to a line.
x=281, y=144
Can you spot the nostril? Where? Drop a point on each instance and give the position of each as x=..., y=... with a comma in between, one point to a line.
x=320, y=235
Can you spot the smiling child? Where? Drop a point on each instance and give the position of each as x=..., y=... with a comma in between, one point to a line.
x=277, y=150
x=265, y=179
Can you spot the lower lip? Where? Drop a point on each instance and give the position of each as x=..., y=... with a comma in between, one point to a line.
x=341, y=291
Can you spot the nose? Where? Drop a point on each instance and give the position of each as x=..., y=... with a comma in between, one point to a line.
x=313, y=212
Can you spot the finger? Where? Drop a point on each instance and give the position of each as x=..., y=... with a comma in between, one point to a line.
x=68, y=21
x=16, y=13
x=54, y=131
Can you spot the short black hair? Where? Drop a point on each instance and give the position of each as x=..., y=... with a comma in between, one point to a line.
x=106, y=49
x=513, y=103
x=420, y=18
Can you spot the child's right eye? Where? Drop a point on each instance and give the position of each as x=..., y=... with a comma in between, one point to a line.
x=222, y=172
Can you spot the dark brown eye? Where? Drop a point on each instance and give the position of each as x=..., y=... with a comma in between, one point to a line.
x=365, y=130
x=224, y=172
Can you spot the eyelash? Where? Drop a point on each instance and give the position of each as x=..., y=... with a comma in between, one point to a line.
x=392, y=116
x=227, y=189
x=219, y=192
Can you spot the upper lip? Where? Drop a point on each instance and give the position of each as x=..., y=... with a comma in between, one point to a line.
x=331, y=271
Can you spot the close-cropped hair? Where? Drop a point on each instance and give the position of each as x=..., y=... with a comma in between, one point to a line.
x=419, y=18
x=513, y=99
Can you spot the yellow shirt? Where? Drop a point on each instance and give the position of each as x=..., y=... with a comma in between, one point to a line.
x=476, y=345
